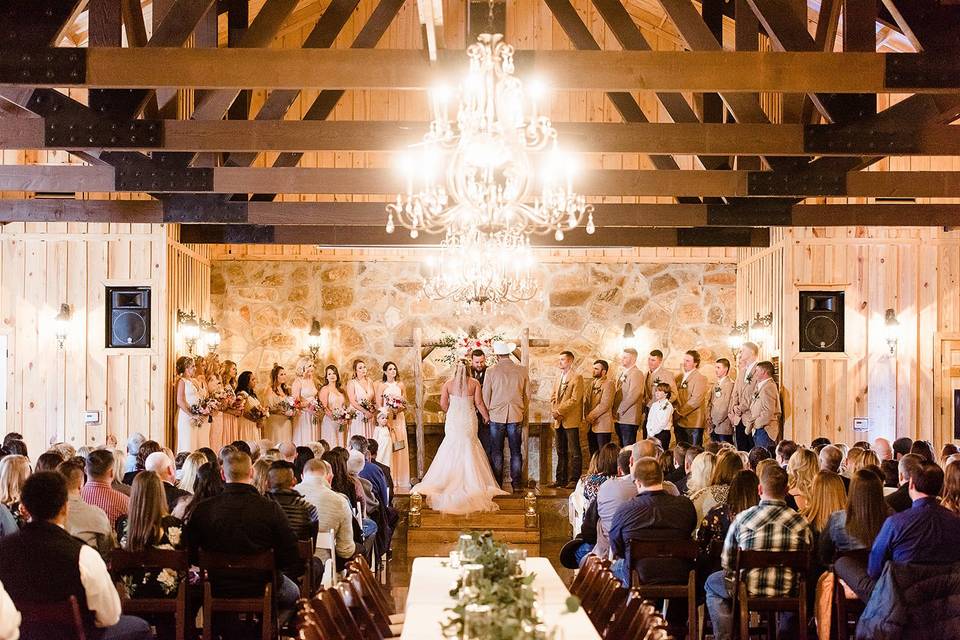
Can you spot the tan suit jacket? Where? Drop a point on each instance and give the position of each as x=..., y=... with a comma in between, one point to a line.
x=663, y=375
x=628, y=399
x=720, y=407
x=568, y=401
x=599, y=405
x=691, y=403
x=765, y=410
x=505, y=391
x=743, y=395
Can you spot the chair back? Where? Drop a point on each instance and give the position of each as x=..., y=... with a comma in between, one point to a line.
x=684, y=553
x=327, y=540
x=232, y=566
x=51, y=619
x=121, y=561
x=743, y=602
x=798, y=561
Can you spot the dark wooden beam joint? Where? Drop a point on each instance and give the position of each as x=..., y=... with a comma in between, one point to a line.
x=854, y=140
x=723, y=237
x=905, y=70
x=34, y=23
x=68, y=123
x=44, y=66
x=781, y=183
x=747, y=213
x=154, y=178
x=198, y=209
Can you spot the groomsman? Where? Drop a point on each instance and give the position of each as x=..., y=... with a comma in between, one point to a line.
x=567, y=409
x=657, y=373
x=628, y=399
x=599, y=407
x=478, y=367
x=691, y=396
x=763, y=419
x=720, y=428
x=742, y=396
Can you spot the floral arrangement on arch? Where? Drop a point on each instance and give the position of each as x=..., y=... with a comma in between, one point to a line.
x=460, y=345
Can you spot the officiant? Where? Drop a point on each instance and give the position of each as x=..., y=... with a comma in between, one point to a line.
x=478, y=368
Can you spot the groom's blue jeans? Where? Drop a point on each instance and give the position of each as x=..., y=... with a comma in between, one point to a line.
x=512, y=432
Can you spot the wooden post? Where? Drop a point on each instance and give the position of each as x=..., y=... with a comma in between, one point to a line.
x=525, y=447
x=418, y=396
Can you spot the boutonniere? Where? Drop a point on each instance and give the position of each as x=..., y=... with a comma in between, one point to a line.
x=717, y=391
x=683, y=385
x=756, y=395
x=750, y=376
x=656, y=380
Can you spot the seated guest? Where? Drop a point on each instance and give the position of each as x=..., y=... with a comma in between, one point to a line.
x=901, y=447
x=827, y=495
x=801, y=470
x=241, y=521
x=301, y=515
x=373, y=474
x=48, y=461
x=303, y=454
x=756, y=455
x=900, y=499
x=16, y=447
x=98, y=489
x=857, y=525
x=143, y=453
x=261, y=478
x=688, y=458
x=9, y=617
x=610, y=497
x=85, y=521
x=374, y=447
x=119, y=468
x=769, y=526
x=891, y=476
x=162, y=465
x=14, y=471
x=785, y=451
x=727, y=466
x=701, y=472
x=948, y=450
x=188, y=471
x=820, y=442
x=883, y=449
x=606, y=468
x=8, y=524
x=43, y=564
x=831, y=459
x=333, y=510
x=678, y=473
x=348, y=487
x=209, y=483
x=950, y=496
x=134, y=442
x=651, y=515
x=923, y=449
x=713, y=528
x=288, y=451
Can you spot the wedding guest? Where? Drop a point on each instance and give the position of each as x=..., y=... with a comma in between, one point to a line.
x=721, y=430
x=161, y=465
x=332, y=396
x=900, y=499
x=370, y=471
x=9, y=617
x=742, y=396
x=209, y=483
x=361, y=394
x=347, y=487
x=801, y=470
x=261, y=469
x=85, y=521
x=628, y=400
x=688, y=458
x=191, y=467
x=691, y=389
x=241, y=521
x=756, y=455
x=883, y=449
x=44, y=564
x=288, y=451
x=374, y=448
x=660, y=415
x=231, y=414
x=332, y=508
x=14, y=471
x=188, y=396
x=827, y=494
x=566, y=409
x=304, y=393
x=133, y=447
x=391, y=390
x=785, y=450
x=373, y=508
x=252, y=411
x=278, y=398
x=728, y=464
x=950, y=496
x=713, y=528
x=599, y=407
x=301, y=515
x=98, y=489
x=856, y=525
x=678, y=472
x=901, y=447
x=48, y=461
x=505, y=392
x=923, y=449
x=701, y=472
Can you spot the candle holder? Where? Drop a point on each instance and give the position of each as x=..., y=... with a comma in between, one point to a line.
x=416, y=505
x=530, y=518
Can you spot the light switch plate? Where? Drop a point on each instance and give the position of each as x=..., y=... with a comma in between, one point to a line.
x=91, y=417
x=861, y=424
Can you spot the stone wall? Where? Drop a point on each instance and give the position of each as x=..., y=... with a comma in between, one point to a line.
x=264, y=310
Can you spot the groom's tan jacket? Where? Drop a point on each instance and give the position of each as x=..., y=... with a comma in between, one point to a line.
x=505, y=391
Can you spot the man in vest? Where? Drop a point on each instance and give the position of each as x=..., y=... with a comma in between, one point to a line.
x=43, y=564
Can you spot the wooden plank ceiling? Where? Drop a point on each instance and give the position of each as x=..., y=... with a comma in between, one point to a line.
x=696, y=124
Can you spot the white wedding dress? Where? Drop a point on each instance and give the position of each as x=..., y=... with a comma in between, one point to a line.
x=459, y=479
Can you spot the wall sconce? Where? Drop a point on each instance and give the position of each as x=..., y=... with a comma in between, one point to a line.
x=211, y=335
x=189, y=328
x=315, y=338
x=629, y=338
x=61, y=324
x=738, y=335
x=760, y=328
x=892, y=330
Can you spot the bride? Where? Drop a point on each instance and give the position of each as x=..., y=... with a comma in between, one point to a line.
x=459, y=479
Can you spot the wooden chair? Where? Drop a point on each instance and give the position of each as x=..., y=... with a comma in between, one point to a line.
x=155, y=560
x=314, y=622
x=586, y=574
x=307, y=584
x=61, y=619
x=680, y=550
x=343, y=618
x=593, y=585
x=239, y=564
x=358, y=565
x=848, y=610
x=743, y=603
x=599, y=613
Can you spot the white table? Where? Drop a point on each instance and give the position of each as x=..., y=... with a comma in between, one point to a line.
x=430, y=583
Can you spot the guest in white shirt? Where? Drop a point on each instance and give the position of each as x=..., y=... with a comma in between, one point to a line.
x=660, y=415
x=9, y=617
x=43, y=563
x=333, y=509
x=85, y=521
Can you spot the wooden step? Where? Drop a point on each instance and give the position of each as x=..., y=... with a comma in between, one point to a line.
x=418, y=535
x=491, y=520
x=435, y=549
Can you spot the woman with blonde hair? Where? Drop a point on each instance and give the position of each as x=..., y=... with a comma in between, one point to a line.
x=261, y=469
x=851, y=461
x=801, y=470
x=459, y=479
x=14, y=471
x=361, y=394
x=701, y=472
x=191, y=465
x=827, y=494
x=950, y=494
x=866, y=459
x=189, y=425
x=727, y=465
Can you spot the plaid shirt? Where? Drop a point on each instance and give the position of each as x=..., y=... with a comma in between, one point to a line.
x=101, y=494
x=769, y=526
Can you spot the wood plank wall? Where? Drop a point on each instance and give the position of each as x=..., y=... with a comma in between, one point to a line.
x=49, y=390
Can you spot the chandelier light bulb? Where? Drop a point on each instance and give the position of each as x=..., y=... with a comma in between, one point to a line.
x=390, y=226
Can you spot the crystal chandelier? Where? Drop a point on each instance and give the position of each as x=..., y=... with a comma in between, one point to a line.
x=477, y=172
x=478, y=270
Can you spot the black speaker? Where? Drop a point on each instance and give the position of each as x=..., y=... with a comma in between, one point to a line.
x=821, y=321
x=128, y=317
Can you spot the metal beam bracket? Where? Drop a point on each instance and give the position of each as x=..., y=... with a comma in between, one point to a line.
x=750, y=214
x=910, y=70
x=800, y=184
x=163, y=178
x=202, y=208
x=63, y=67
x=103, y=133
x=858, y=140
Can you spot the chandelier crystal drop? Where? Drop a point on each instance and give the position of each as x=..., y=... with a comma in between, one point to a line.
x=479, y=270
x=478, y=171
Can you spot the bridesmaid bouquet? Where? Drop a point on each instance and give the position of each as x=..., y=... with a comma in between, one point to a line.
x=285, y=407
x=368, y=406
x=224, y=399
x=395, y=403
x=257, y=413
x=202, y=411
x=343, y=416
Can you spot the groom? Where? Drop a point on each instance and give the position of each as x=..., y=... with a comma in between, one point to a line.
x=505, y=394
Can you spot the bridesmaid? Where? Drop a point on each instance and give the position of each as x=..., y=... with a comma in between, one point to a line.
x=399, y=460
x=249, y=427
x=187, y=396
x=215, y=389
x=200, y=381
x=332, y=397
x=231, y=416
x=360, y=391
x=304, y=392
x=279, y=426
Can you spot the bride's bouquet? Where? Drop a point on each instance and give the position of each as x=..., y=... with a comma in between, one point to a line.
x=203, y=411
x=343, y=416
